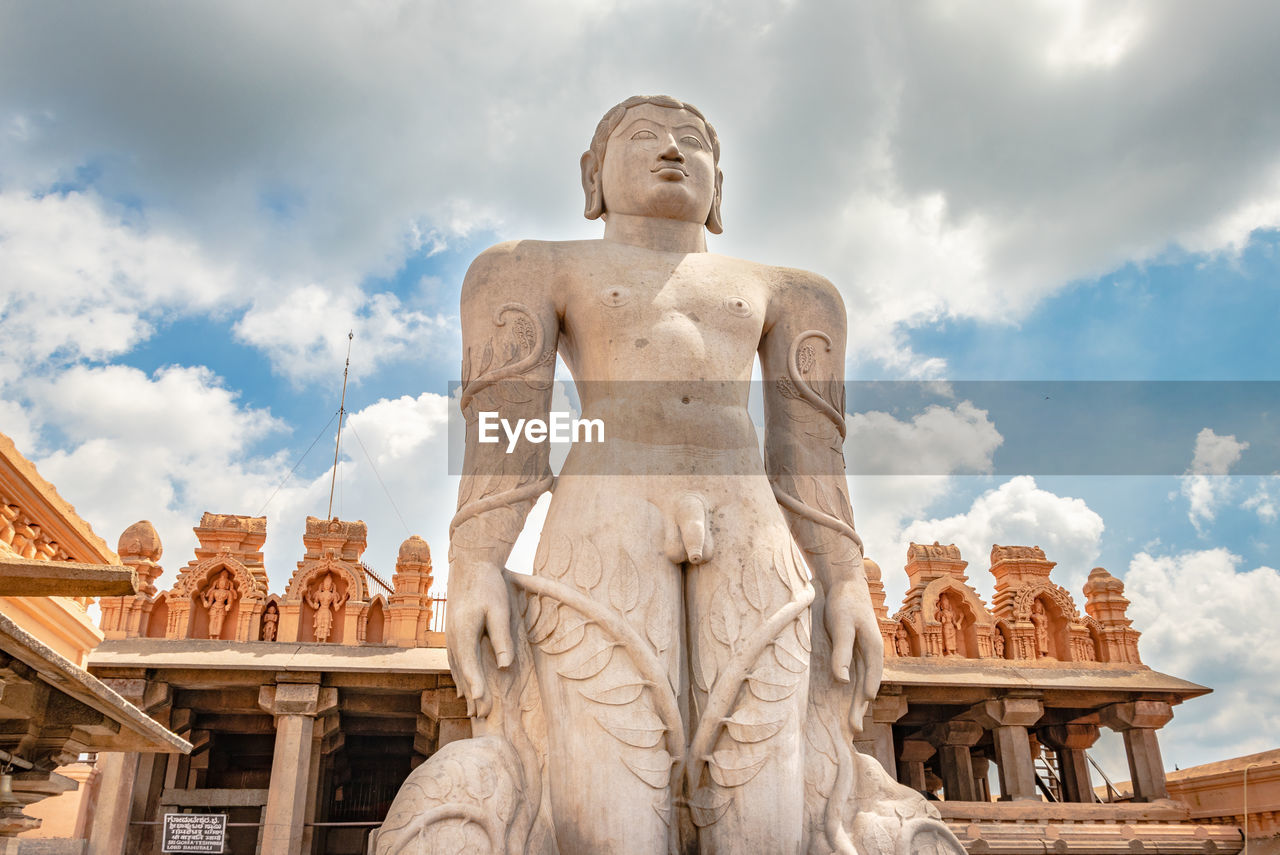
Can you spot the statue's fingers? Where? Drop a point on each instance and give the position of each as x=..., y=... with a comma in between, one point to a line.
x=500, y=637
x=842, y=637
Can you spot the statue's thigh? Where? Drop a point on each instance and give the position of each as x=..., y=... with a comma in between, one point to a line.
x=749, y=653
x=607, y=653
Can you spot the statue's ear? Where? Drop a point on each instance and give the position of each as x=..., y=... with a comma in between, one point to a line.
x=715, y=225
x=591, y=185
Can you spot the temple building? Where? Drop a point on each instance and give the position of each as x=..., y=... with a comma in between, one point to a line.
x=54, y=716
x=308, y=707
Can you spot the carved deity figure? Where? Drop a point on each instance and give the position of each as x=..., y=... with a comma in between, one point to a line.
x=270, y=622
x=998, y=645
x=218, y=598
x=1040, y=619
x=946, y=615
x=669, y=678
x=902, y=641
x=326, y=601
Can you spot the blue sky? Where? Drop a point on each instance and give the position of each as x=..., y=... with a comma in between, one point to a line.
x=197, y=202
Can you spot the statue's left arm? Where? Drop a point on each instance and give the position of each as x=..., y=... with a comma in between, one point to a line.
x=802, y=360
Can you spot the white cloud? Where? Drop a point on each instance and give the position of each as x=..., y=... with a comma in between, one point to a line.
x=81, y=282
x=1199, y=619
x=937, y=441
x=967, y=165
x=1263, y=500
x=1020, y=513
x=304, y=331
x=1206, y=487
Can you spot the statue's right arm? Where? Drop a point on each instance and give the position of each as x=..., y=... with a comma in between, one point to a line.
x=510, y=325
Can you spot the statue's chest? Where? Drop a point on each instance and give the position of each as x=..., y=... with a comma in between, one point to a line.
x=681, y=311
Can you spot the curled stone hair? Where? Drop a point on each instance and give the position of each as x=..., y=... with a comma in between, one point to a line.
x=600, y=140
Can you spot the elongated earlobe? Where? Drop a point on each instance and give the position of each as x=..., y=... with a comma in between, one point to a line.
x=715, y=225
x=591, y=186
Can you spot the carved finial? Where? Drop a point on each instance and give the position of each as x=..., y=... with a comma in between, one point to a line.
x=414, y=550
x=140, y=542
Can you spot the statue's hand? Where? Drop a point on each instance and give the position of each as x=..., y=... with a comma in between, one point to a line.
x=477, y=607
x=855, y=643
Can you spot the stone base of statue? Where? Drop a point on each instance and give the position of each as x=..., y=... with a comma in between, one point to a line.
x=490, y=793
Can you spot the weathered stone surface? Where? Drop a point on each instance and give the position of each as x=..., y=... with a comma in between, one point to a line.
x=23, y=577
x=667, y=673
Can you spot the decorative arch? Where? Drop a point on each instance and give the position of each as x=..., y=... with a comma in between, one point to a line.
x=236, y=623
x=301, y=581
x=975, y=622
x=1060, y=616
x=1004, y=630
x=157, y=625
x=373, y=621
x=259, y=621
x=1097, y=639
x=1065, y=606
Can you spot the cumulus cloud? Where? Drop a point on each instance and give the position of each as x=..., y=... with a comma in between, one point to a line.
x=1206, y=486
x=966, y=165
x=81, y=282
x=303, y=331
x=928, y=449
x=937, y=441
x=1018, y=512
x=1197, y=612
x=1263, y=501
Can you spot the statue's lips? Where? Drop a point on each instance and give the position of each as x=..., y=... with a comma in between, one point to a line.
x=669, y=171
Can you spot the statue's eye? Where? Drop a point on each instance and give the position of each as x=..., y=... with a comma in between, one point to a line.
x=693, y=142
x=644, y=135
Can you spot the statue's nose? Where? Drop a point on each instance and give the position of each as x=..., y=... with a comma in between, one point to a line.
x=672, y=151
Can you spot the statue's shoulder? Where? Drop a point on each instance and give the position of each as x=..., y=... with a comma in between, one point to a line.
x=796, y=291
x=531, y=260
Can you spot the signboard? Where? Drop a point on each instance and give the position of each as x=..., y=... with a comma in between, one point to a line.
x=194, y=832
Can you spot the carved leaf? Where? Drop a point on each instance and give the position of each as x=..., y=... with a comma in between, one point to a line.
x=561, y=556
x=479, y=782
x=624, y=587
x=802, y=634
x=752, y=584
x=487, y=358
x=789, y=660
x=707, y=805
x=663, y=809
x=532, y=609
x=773, y=684
x=547, y=621
x=617, y=696
x=780, y=568
x=588, y=568
x=704, y=676
x=787, y=389
x=567, y=636
x=734, y=768
x=724, y=617
x=589, y=667
x=652, y=767
x=658, y=622
x=815, y=733
x=750, y=726
x=639, y=728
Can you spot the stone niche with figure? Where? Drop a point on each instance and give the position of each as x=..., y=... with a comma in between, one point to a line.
x=221, y=592
x=327, y=600
x=1031, y=619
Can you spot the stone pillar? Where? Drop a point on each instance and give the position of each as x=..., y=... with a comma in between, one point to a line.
x=877, y=730
x=1069, y=742
x=450, y=711
x=1139, y=721
x=1008, y=721
x=981, y=781
x=911, y=763
x=115, y=797
x=954, y=739
x=294, y=700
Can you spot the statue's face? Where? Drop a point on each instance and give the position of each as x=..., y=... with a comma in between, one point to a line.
x=659, y=163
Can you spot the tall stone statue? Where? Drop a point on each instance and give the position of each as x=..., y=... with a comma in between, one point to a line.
x=686, y=666
x=326, y=601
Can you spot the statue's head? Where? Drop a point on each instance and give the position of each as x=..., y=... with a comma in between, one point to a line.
x=224, y=580
x=326, y=584
x=656, y=156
